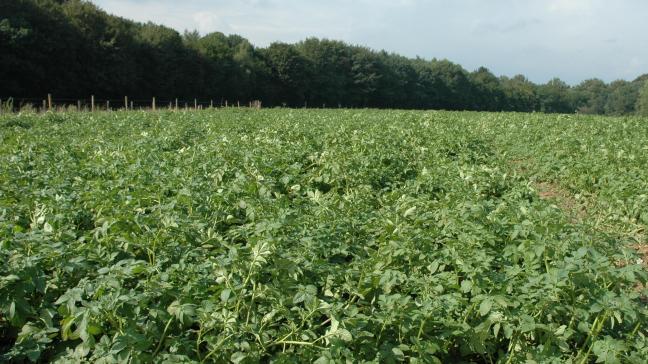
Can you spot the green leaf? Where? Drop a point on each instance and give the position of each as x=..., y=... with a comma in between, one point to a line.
x=608, y=350
x=527, y=324
x=238, y=357
x=466, y=286
x=344, y=335
x=410, y=211
x=398, y=353
x=496, y=329
x=485, y=307
x=225, y=295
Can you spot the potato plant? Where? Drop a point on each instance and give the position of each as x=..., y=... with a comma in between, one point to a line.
x=321, y=236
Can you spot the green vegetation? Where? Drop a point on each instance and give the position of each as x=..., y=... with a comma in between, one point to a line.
x=642, y=102
x=299, y=235
x=72, y=49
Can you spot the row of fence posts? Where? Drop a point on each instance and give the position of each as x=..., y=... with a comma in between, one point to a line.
x=48, y=104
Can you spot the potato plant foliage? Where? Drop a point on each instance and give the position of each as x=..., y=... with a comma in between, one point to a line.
x=321, y=236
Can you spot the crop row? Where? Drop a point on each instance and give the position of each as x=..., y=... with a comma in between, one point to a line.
x=326, y=236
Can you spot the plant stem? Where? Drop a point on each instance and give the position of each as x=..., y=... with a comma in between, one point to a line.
x=164, y=334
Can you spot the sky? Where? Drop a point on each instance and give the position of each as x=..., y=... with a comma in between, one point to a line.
x=541, y=39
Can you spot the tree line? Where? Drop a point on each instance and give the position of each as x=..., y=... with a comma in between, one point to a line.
x=72, y=49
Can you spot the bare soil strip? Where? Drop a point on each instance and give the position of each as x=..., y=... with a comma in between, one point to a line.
x=564, y=200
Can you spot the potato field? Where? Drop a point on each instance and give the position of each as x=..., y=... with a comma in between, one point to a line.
x=326, y=236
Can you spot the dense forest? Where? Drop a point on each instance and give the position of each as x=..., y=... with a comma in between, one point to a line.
x=72, y=49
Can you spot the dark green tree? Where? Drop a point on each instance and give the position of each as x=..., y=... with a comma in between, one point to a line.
x=365, y=73
x=554, y=97
x=590, y=96
x=489, y=94
x=642, y=101
x=398, y=85
x=623, y=98
x=72, y=48
x=289, y=74
x=457, y=92
x=330, y=71
x=520, y=94
x=39, y=49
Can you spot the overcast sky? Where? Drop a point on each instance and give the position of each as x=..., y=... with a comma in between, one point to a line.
x=542, y=39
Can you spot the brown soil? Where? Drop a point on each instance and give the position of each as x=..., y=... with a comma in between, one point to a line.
x=562, y=198
x=520, y=165
x=552, y=192
x=642, y=249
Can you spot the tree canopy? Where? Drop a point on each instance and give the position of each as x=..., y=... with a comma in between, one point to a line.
x=73, y=49
x=642, y=102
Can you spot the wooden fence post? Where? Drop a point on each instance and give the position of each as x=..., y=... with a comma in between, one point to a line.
x=107, y=105
x=153, y=104
x=78, y=105
x=211, y=103
x=92, y=103
x=44, y=104
x=131, y=105
x=126, y=102
x=225, y=103
x=49, y=102
x=195, y=104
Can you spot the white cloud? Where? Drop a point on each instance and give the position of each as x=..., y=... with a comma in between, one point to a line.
x=207, y=21
x=570, y=6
